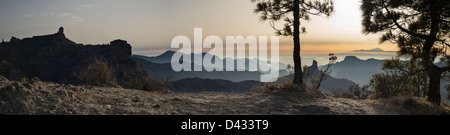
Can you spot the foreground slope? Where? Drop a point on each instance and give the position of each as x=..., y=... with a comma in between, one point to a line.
x=36, y=97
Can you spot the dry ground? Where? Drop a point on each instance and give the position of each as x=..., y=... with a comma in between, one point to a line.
x=37, y=97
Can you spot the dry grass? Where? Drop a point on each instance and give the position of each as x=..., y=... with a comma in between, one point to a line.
x=153, y=83
x=98, y=73
x=276, y=87
x=354, y=92
x=410, y=106
x=287, y=87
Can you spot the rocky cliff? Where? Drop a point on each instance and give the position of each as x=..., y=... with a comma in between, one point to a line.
x=56, y=58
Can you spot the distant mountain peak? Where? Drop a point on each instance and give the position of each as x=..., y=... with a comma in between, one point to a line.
x=351, y=58
x=371, y=50
x=169, y=52
x=314, y=67
x=60, y=30
x=377, y=49
x=314, y=64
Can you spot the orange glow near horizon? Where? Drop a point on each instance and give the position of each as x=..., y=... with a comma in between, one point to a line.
x=340, y=48
x=150, y=32
x=306, y=49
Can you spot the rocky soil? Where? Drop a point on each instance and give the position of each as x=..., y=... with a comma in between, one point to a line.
x=44, y=98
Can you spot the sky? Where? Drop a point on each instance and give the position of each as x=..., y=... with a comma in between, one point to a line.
x=150, y=25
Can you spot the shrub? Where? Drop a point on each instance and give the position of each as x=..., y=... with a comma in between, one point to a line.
x=382, y=85
x=447, y=87
x=285, y=85
x=10, y=71
x=97, y=73
x=389, y=85
x=4, y=65
x=153, y=83
x=402, y=78
x=16, y=74
x=354, y=92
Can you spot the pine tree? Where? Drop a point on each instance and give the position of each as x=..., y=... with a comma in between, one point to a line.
x=420, y=28
x=292, y=11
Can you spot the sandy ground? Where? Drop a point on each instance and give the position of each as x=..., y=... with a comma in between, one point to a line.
x=36, y=97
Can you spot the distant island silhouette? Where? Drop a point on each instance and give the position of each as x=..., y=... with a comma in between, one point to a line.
x=372, y=50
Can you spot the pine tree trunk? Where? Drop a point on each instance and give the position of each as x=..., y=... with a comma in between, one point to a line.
x=298, y=75
x=434, y=93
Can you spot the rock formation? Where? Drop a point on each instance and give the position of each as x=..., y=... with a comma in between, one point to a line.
x=55, y=58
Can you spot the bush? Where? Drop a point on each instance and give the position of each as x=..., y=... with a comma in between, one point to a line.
x=354, y=92
x=285, y=85
x=402, y=78
x=382, y=85
x=389, y=85
x=447, y=87
x=5, y=65
x=97, y=73
x=154, y=83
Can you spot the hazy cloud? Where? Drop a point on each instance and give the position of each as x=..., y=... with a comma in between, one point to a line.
x=68, y=18
x=75, y=20
x=83, y=7
x=30, y=16
x=66, y=14
x=49, y=13
x=333, y=42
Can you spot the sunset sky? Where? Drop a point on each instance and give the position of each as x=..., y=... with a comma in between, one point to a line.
x=150, y=25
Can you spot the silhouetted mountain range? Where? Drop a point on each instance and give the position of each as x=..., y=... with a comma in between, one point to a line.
x=55, y=58
x=357, y=70
x=361, y=71
x=165, y=69
x=191, y=85
x=215, y=81
x=166, y=57
x=372, y=50
x=161, y=65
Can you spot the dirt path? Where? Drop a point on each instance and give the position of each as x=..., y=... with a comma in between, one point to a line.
x=36, y=97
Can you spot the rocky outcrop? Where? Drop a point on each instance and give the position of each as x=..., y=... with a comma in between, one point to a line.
x=55, y=58
x=331, y=83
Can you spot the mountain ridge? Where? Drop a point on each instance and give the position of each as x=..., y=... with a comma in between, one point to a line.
x=165, y=69
x=56, y=58
x=166, y=57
